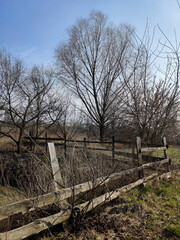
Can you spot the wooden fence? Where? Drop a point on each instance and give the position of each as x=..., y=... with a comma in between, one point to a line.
x=62, y=194
x=135, y=153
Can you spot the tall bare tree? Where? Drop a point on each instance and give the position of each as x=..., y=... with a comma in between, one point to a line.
x=90, y=65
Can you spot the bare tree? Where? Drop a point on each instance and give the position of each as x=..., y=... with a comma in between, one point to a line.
x=27, y=98
x=71, y=120
x=90, y=65
x=152, y=94
x=49, y=106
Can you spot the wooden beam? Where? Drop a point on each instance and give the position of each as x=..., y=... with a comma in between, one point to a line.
x=165, y=153
x=153, y=149
x=139, y=152
x=58, y=182
x=113, y=149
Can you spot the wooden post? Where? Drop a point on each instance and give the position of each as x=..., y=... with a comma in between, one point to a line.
x=133, y=154
x=65, y=145
x=58, y=182
x=139, y=153
x=165, y=145
x=85, y=146
x=165, y=152
x=113, y=148
x=31, y=143
x=46, y=143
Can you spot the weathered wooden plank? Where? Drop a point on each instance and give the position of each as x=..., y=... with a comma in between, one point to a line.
x=88, y=148
x=44, y=138
x=36, y=226
x=77, y=141
x=47, y=222
x=46, y=142
x=165, y=152
x=58, y=182
x=113, y=148
x=139, y=153
x=153, y=149
x=165, y=147
x=43, y=143
x=62, y=139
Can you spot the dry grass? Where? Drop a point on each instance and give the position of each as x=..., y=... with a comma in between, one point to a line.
x=7, y=145
x=9, y=195
x=145, y=213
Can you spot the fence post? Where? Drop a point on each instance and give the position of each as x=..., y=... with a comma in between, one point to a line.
x=85, y=146
x=165, y=152
x=113, y=148
x=139, y=153
x=65, y=145
x=165, y=145
x=133, y=154
x=46, y=143
x=31, y=143
x=58, y=182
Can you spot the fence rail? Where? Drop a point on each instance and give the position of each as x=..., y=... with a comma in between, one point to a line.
x=75, y=141
x=113, y=149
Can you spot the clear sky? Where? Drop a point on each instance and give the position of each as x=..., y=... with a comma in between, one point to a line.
x=31, y=29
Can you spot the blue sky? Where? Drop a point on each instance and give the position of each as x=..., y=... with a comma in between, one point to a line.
x=32, y=29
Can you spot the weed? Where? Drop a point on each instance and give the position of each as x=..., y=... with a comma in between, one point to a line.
x=161, y=191
x=172, y=230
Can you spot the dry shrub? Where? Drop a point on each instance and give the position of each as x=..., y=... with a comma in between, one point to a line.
x=26, y=172
x=7, y=145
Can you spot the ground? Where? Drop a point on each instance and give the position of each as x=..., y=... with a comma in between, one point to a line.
x=147, y=212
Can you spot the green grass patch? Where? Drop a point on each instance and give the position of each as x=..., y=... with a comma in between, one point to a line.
x=161, y=204
x=172, y=230
x=173, y=153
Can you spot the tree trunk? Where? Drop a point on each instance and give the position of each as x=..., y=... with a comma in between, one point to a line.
x=19, y=142
x=19, y=149
x=101, y=129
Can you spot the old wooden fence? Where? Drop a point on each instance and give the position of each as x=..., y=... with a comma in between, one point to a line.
x=61, y=195
x=108, y=146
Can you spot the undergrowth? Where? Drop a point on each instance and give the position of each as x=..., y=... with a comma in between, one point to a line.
x=147, y=212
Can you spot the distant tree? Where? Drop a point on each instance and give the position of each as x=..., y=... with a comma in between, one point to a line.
x=71, y=122
x=27, y=98
x=48, y=106
x=152, y=93
x=90, y=65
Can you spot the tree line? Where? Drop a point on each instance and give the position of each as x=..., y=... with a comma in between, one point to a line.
x=120, y=81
